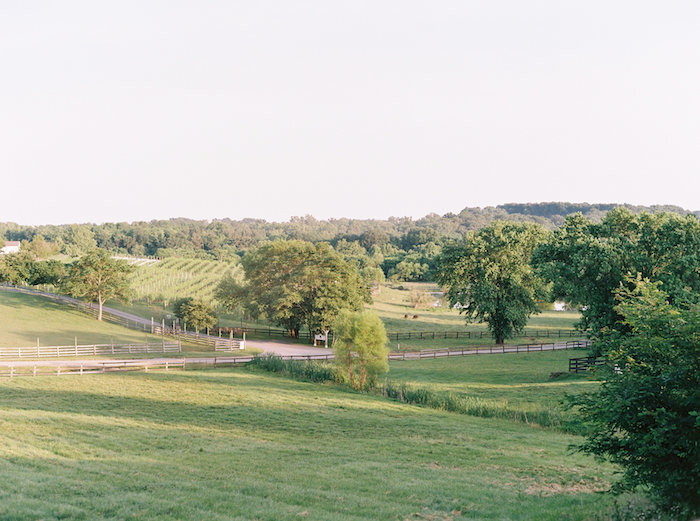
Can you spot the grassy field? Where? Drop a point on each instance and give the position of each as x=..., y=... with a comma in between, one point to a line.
x=511, y=382
x=28, y=317
x=237, y=444
x=392, y=304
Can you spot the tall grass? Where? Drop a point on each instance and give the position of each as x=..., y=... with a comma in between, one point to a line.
x=474, y=406
x=402, y=392
x=310, y=371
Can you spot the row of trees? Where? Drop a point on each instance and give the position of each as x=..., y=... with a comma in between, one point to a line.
x=498, y=274
x=402, y=247
x=636, y=279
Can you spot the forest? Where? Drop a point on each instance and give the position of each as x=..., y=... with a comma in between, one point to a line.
x=403, y=248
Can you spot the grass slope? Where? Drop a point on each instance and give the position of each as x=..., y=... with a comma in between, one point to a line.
x=26, y=317
x=235, y=444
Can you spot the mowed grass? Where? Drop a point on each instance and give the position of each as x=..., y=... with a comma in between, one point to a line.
x=237, y=444
x=28, y=317
x=512, y=382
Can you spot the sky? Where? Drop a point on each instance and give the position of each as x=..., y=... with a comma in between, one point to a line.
x=132, y=110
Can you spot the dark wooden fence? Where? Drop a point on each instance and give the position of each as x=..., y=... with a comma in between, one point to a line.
x=581, y=365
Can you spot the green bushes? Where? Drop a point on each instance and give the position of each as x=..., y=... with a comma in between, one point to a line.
x=298, y=369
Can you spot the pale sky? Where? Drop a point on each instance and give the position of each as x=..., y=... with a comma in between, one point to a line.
x=139, y=110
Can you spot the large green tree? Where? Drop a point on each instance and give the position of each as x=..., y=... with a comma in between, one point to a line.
x=589, y=261
x=296, y=283
x=646, y=415
x=99, y=277
x=489, y=275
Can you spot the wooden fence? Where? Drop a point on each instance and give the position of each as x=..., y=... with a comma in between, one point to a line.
x=464, y=351
x=88, y=350
x=581, y=365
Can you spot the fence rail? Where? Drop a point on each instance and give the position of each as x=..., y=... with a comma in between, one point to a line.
x=464, y=351
x=46, y=368
x=88, y=350
x=581, y=365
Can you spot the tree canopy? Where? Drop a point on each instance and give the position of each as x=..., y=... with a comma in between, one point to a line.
x=489, y=275
x=646, y=415
x=99, y=277
x=296, y=283
x=588, y=262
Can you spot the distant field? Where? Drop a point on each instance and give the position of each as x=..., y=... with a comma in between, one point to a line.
x=515, y=381
x=391, y=305
x=236, y=444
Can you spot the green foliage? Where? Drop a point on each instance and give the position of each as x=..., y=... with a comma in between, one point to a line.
x=295, y=283
x=360, y=349
x=51, y=272
x=490, y=276
x=310, y=371
x=646, y=416
x=195, y=313
x=16, y=268
x=99, y=277
x=588, y=262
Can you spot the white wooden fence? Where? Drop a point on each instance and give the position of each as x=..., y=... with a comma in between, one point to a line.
x=88, y=350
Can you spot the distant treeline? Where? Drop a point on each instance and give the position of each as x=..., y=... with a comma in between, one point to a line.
x=401, y=246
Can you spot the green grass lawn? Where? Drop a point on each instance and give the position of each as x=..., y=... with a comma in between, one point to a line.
x=28, y=317
x=238, y=444
x=517, y=382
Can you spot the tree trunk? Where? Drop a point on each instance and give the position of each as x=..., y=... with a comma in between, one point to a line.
x=99, y=310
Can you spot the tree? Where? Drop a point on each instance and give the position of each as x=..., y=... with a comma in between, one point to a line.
x=646, y=415
x=490, y=275
x=196, y=313
x=587, y=262
x=99, y=277
x=360, y=348
x=295, y=283
x=16, y=268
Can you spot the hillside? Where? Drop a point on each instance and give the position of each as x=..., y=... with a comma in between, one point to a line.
x=28, y=317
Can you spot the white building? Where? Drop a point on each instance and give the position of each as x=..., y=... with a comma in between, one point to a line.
x=10, y=247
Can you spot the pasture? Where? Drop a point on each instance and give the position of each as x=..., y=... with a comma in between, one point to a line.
x=241, y=444
x=28, y=317
x=507, y=385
